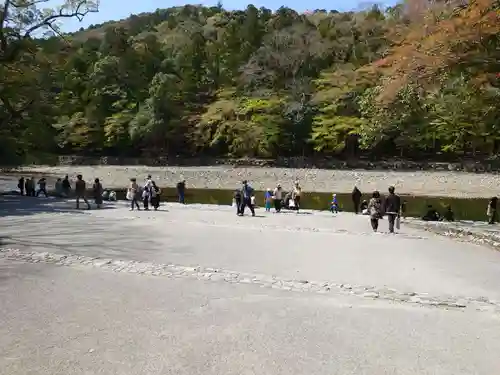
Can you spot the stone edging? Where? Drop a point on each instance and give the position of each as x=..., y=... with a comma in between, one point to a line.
x=460, y=234
x=212, y=274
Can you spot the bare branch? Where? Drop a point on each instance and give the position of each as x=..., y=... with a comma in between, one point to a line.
x=3, y=17
x=78, y=13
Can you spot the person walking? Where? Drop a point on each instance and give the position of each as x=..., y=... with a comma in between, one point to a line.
x=133, y=193
x=80, y=191
x=246, y=201
x=29, y=186
x=181, y=189
x=237, y=201
x=42, y=187
x=492, y=211
x=20, y=185
x=296, y=196
x=146, y=192
x=66, y=186
x=375, y=210
x=278, y=198
x=97, y=192
x=155, y=196
x=356, y=198
x=392, y=206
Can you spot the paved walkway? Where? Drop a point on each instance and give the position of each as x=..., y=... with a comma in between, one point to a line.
x=195, y=289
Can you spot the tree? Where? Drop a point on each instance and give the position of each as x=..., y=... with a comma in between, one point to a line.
x=26, y=83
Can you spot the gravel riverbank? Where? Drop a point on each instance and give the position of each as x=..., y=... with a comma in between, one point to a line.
x=449, y=184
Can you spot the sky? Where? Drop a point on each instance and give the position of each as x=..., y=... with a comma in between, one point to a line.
x=119, y=9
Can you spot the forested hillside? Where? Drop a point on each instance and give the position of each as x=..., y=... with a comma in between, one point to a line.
x=416, y=79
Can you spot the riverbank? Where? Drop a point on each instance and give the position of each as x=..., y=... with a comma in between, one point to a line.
x=421, y=183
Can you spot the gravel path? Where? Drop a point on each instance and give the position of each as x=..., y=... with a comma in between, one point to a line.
x=450, y=184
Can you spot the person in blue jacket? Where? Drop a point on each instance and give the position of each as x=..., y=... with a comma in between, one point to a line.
x=334, y=205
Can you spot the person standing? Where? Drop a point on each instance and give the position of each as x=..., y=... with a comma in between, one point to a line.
x=334, y=204
x=20, y=185
x=181, y=188
x=492, y=211
x=155, y=196
x=146, y=192
x=392, y=206
x=237, y=201
x=80, y=191
x=278, y=198
x=356, y=199
x=29, y=186
x=375, y=210
x=66, y=186
x=42, y=187
x=246, y=198
x=296, y=195
x=268, y=197
x=58, y=186
x=97, y=191
x=133, y=194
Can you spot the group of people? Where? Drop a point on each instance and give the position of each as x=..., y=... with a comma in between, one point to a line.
x=27, y=186
x=63, y=189
x=245, y=197
x=149, y=194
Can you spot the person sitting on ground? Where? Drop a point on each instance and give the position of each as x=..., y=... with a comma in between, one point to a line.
x=448, y=214
x=105, y=195
x=364, y=208
x=432, y=214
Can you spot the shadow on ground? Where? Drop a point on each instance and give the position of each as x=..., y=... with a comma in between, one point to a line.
x=17, y=205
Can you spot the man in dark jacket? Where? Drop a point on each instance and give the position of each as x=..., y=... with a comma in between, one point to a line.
x=392, y=206
x=181, y=188
x=246, y=198
x=356, y=199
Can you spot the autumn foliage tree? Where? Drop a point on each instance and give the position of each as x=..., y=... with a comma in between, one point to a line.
x=419, y=79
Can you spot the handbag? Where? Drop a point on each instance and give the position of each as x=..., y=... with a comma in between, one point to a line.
x=291, y=203
x=129, y=196
x=398, y=223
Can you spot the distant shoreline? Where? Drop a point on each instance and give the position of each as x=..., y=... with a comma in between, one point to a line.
x=422, y=183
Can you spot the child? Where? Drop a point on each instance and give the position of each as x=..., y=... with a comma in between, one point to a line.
x=268, y=199
x=334, y=206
